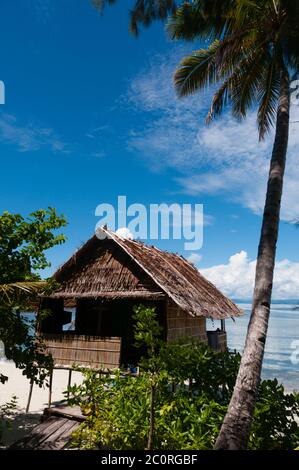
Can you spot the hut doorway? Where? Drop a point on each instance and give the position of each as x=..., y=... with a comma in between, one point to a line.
x=110, y=318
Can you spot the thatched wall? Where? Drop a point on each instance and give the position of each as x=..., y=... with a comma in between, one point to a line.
x=181, y=324
x=83, y=350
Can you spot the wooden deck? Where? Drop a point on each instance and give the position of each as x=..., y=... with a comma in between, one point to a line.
x=54, y=432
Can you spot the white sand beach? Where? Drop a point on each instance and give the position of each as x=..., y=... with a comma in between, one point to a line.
x=18, y=385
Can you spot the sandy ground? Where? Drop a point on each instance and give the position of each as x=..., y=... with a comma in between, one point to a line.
x=19, y=385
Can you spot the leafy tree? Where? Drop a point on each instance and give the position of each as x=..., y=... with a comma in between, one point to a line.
x=22, y=254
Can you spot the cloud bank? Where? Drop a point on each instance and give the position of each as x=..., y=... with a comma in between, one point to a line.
x=236, y=278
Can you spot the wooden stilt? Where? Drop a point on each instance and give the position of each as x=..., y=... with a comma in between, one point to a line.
x=50, y=388
x=69, y=383
x=30, y=395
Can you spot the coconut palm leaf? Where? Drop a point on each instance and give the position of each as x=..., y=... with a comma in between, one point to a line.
x=204, y=19
x=239, y=88
x=9, y=293
x=144, y=12
x=249, y=75
x=268, y=96
x=197, y=70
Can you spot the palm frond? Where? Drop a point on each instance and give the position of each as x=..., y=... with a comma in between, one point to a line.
x=244, y=74
x=247, y=82
x=100, y=4
x=269, y=87
x=197, y=70
x=220, y=99
x=19, y=290
x=189, y=22
x=144, y=12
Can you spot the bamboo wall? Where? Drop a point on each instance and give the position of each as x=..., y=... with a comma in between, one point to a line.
x=180, y=324
x=89, y=351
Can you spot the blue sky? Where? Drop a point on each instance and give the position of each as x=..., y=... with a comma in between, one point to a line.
x=91, y=114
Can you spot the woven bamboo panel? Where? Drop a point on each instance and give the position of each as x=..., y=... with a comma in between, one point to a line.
x=181, y=324
x=91, y=351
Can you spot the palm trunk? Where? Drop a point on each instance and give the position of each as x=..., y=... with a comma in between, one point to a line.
x=235, y=430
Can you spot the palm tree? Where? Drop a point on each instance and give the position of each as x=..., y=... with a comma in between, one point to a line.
x=254, y=46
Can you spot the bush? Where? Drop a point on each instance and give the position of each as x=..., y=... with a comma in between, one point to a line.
x=274, y=424
x=7, y=411
x=178, y=401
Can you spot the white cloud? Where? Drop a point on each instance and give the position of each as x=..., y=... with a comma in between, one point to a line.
x=124, y=232
x=194, y=258
x=224, y=158
x=169, y=135
x=236, y=278
x=30, y=137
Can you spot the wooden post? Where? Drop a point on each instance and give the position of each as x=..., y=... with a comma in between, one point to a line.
x=69, y=383
x=30, y=395
x=50, y=388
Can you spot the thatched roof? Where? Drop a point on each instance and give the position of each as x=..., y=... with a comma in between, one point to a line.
x=116, y=267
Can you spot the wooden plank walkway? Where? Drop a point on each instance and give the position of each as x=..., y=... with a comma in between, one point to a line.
x=54, y=432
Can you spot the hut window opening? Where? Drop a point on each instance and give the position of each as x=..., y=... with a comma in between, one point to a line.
x=69, y=320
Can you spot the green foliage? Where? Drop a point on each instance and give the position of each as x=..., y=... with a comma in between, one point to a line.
x=208, y=372
x=274, y=424
x=21, y=345
x=193, y=386
x=23, y=243
x=147, y=333
x=117, y=410
x=147, y=329
x=6, y=413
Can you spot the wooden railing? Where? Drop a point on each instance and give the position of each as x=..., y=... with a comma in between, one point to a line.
x=90, y=351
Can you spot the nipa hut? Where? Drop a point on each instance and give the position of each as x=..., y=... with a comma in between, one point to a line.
x=102, y=282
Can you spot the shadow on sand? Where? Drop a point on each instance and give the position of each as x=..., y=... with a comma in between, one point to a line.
x=19, y=425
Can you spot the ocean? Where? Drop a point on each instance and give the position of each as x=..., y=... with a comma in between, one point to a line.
x=282, y=347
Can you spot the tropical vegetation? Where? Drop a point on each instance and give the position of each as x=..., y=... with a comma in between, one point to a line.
x=23, y=242
x=177, y=401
